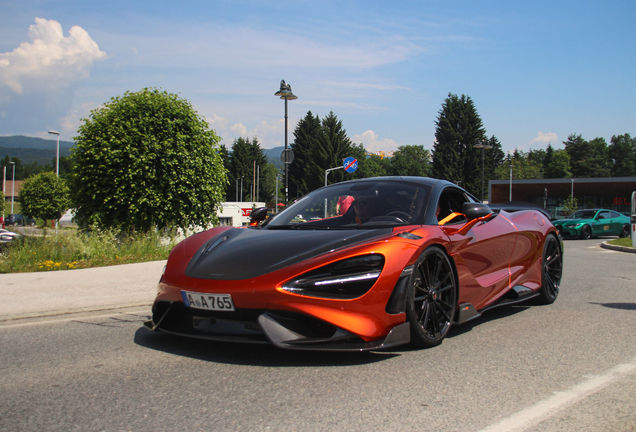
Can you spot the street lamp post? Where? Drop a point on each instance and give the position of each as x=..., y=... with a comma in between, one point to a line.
x=4, y=190
x=482, y=145
x=57, y=157
x=285, y=92
x=276, y=202
x=12, y=186
x=510, y=177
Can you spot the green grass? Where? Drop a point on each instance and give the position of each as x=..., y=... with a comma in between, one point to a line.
x=627, y=241
x=73, y=249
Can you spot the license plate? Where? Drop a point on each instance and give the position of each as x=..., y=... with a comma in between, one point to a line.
x=217, y=302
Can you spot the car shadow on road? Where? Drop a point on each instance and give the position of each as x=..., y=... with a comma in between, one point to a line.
x=251, y=354
x=268, y=355
x=490, y=315
x=625, y=306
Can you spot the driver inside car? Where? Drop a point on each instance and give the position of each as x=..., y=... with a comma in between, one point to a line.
x=365, y=206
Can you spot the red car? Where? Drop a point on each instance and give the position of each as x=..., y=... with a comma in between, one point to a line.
x=410, y=258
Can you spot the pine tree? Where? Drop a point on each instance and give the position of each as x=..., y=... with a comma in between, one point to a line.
x=303, y=167
x=457, y=129
x=334, y=146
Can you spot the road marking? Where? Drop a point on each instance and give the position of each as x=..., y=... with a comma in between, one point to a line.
x=547, y=408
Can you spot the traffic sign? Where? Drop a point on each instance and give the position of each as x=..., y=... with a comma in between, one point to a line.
x=290, y=156
x=350, y=164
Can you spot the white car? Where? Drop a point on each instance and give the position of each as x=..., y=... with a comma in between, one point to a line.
x=8, y=236
x=67, y=219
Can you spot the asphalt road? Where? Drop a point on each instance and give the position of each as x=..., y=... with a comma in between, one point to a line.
x=570, y=366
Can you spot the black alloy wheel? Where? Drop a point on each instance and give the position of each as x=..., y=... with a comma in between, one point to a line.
x=586, y=232
x=624, y=231
x=431, y=298
x=551, y=270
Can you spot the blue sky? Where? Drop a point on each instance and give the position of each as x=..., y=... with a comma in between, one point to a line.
x=537, y=71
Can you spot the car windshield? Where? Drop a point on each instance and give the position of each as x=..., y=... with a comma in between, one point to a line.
x=583, y=214
x=356, y=205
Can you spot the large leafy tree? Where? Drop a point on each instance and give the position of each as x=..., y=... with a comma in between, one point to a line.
x=146, y=159
x=411, y=160
x=558, y=165
x=45, y=196
x=457, y=129
x=523, y=167
x=588, y=158
x=622, y=153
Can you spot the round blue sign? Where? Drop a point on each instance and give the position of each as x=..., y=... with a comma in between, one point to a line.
x=350, y=164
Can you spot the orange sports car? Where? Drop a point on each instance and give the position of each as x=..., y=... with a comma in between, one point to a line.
x=409, y=258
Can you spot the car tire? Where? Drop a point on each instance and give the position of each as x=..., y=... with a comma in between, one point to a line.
x=431, y=298
x=586, y=232
x=551, y=270
x=624, y=231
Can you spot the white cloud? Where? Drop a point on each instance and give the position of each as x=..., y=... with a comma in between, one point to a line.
x=73, y=119
x=371, y=142
x=269, y=133
x=51, y=61
x=544, y=138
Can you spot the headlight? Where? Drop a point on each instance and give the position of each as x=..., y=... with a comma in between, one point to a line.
x=574, y=225
x=344, y=279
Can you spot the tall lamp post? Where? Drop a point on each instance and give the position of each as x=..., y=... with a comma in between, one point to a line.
x=12, y=186
x=482, y=145
x=4, y=190
x=57, y=157
x=285, y=92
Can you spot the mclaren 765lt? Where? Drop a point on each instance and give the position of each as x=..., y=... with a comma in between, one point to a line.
x=360, y=265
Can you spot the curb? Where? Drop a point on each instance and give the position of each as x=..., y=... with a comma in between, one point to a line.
x=606, y=245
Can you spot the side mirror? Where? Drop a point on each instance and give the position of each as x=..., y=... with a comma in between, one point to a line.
x=475, y=210
x=258, y=215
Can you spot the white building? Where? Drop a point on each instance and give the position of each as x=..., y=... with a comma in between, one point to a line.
x=237, y=213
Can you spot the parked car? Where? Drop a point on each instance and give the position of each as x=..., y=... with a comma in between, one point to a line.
x=67, y=219
x=18, y=219
x=7, y=236
x=410, y=258
x=588, y=223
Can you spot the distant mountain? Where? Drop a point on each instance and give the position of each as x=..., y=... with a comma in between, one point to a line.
x=273, y=155
x=19, y=141
x=30, y=150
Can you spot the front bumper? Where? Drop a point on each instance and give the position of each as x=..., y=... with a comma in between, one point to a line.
x=283, y=329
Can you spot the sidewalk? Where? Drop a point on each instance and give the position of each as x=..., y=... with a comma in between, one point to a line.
x=28, y=295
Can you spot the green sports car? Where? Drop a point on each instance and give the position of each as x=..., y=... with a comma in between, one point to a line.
x=593, y=222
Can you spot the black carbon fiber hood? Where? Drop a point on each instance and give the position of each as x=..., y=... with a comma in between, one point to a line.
x=248, y=253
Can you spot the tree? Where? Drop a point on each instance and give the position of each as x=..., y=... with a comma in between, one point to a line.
x=318, y=146
x=333, y=147
x=622, y=153
x=558, y=165
x=457, y=129
x=304, y=166
x=522, y=167
x=245, y=157
x=570, y=205
x=411, y=160
x=45, y=196
x=588, y=158
x=146, y=159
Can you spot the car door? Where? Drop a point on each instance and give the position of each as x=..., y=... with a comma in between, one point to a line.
x=482, y=254
x=602, y=223
x=617, y=224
